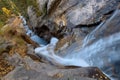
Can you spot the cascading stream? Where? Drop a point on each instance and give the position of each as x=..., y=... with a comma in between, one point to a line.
x=32, y=35
x=102, y=53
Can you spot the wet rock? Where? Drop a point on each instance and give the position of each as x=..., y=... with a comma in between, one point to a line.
x=68, y=13
x=73, y=13
x=28, y=40
x=63, y=43
x=74, y=39
x=32, y=55
x=44, y=32
x=105, y=29
x=101, y=45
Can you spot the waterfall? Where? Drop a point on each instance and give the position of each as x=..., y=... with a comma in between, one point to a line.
x=92, y=55
x=32, y=35
x=103, y=52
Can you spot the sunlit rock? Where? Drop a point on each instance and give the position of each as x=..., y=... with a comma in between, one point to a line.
x=42, y=4
x=32, y=16
x=61, y=16
x=32, y=70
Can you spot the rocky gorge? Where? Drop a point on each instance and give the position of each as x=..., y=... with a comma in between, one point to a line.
x=64, y=40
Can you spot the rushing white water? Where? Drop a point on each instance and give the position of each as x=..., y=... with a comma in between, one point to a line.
x=92, y=55
x=32, y=35
x=88, y=55
x=101, y=53
x=91, y=36
x=48, y=52
x=95, y=52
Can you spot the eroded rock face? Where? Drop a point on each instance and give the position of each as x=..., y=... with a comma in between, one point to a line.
x=78, y=11
x=83, y=11
x=101, y=47
x=42, y=4
x=32, y=16
x=105, y=29
x=70, y=13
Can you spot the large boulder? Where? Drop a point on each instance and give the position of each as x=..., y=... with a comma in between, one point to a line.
x=27, y=69
x=101, y=47
x=78, y=11
x=60, y=16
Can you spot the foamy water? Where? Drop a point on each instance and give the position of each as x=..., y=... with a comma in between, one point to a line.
x=32, y=35
x=101, y=53
x=92, y=55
